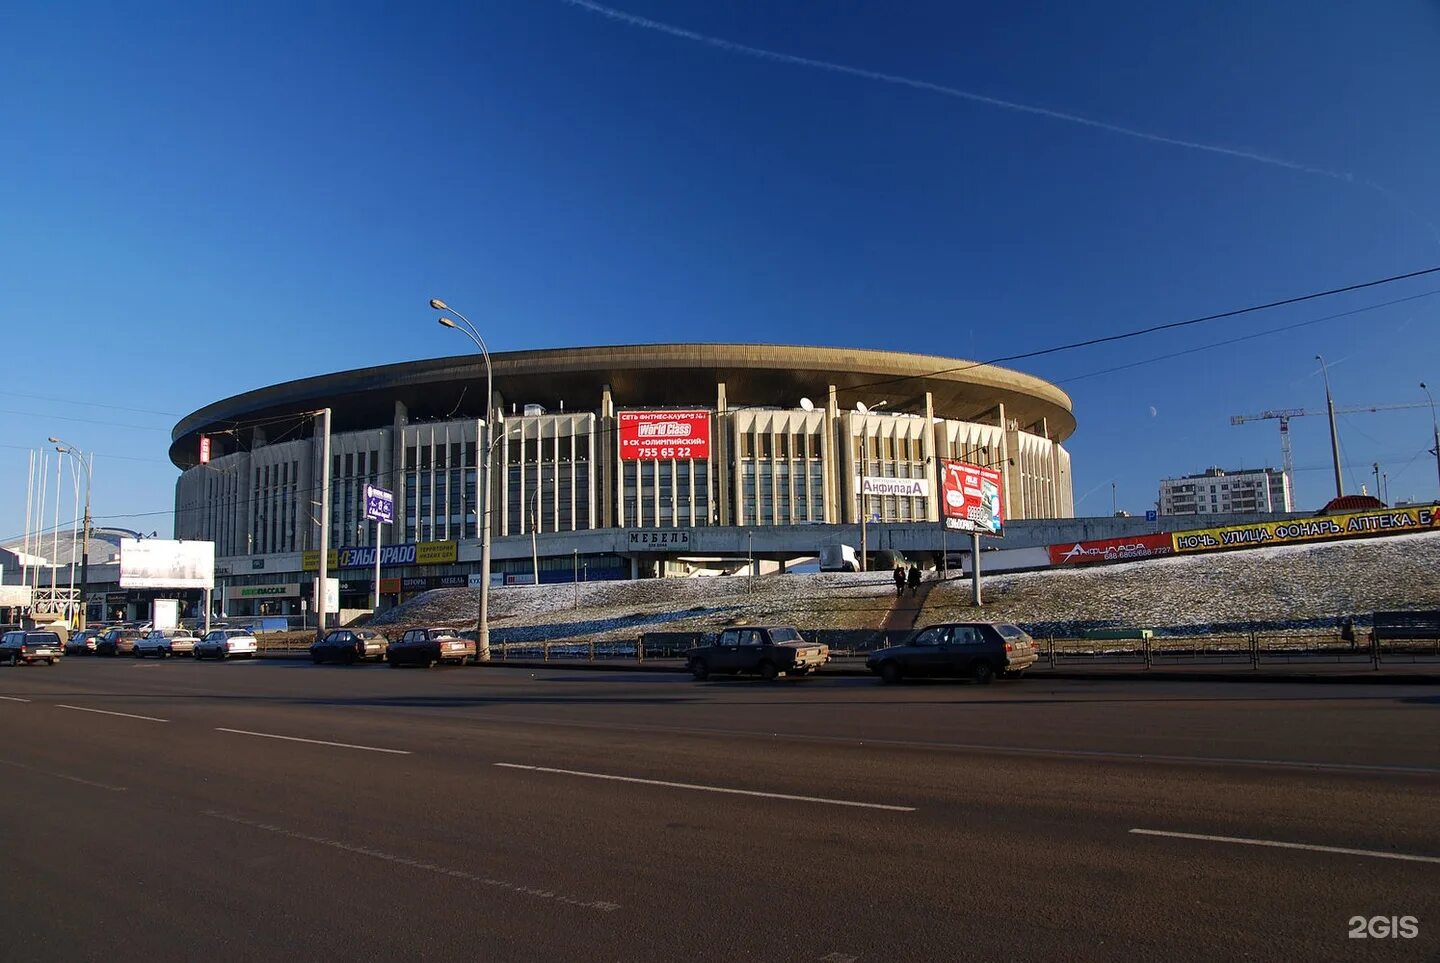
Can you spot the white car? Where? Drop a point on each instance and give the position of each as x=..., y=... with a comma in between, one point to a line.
x=223, y=643
x=164, y=643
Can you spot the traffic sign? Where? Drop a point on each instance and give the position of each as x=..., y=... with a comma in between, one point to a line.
x=379, y=504
x=1151, y=515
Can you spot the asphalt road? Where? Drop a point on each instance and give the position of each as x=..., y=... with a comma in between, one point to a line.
x=273, y=811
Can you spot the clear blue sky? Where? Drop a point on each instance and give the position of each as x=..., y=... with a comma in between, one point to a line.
x=199, y=199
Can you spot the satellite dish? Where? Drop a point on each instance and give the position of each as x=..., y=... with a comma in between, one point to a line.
x=807, y=404
x=860, y=407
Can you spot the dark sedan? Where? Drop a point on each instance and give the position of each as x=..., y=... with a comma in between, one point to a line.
x=425, y=647
x=348, y=646
x=768, y=651
x=82, y=642
x=974, y=650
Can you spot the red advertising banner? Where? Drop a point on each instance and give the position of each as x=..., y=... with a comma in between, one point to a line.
x=972, y=498
x=664, y=435
x=204, y=449
x=1112, y=549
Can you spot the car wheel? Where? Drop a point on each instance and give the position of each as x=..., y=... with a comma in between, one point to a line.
x=314, y=658
x=890, y=673
x=49, y=661
x=14, y=658
x=982, y=673
x=768, y=672
x=392, y=663
x=699, y=669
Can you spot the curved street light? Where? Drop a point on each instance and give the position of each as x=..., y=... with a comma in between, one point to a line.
x=74, y=453
x=1334, y=432
x=1434, y=424
x=482, y=631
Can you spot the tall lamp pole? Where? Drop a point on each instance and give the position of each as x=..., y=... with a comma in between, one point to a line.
x=534, y=550
x=482, y=630
x=1334, y=433
x=89, y=467
x=1435, y=424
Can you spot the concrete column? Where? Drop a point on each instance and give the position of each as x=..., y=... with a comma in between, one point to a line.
x=605, y=454
x=828, y=460
x=718, y=478
x=927, y=451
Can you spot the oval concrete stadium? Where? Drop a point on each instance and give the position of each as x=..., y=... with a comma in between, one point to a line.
x=784, y=455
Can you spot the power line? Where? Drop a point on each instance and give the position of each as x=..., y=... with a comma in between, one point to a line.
x=1152, y=329
x=1248, y=337
x=89, y=404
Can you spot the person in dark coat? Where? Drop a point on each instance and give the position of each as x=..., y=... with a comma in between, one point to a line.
x=914, y=579
x=899, y=580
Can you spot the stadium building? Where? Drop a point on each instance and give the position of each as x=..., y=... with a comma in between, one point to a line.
x=608, y=462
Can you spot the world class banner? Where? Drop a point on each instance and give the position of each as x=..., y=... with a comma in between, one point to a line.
x=1389, y=521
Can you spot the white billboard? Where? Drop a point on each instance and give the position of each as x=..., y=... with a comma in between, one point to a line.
x=165, y=613
x=163, y=563
x=14, y=596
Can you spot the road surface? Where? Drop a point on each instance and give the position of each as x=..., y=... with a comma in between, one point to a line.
x=272, y=810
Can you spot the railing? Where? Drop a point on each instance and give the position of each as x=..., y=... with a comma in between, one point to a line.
x=1252, y=648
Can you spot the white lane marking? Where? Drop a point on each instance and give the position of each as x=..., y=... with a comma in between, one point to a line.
x=699, y=788
x=313, y=742
x=13, y=699
x=523, y=890
x=107, y=712
x=989, y=749
x=1277, y=844
x=61, y=775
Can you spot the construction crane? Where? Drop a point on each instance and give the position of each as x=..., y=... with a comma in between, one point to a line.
x=1283, y=415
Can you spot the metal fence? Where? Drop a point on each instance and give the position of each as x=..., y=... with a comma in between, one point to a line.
x=1253, y=649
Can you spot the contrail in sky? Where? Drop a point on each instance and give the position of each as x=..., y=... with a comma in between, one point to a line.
x=778, y=57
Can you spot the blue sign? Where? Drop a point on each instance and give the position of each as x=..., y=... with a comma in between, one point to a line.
x=1150, y=516
x=379, y=504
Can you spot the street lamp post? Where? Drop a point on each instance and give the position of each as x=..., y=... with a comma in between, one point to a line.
x=1334, y=433
x=89, y=467
x=482, y=632
x=1435, y=425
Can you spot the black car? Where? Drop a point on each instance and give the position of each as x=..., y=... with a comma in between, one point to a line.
x=82, y=642
x=349, y=646
x=973, y=650
x=763, y=650
x=28, y=647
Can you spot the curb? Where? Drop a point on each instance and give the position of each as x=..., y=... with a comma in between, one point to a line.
x=1151, y=675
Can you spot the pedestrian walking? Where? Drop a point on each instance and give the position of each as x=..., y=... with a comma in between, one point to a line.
x=914, y=579
x=899, y=580
x=1347, y=631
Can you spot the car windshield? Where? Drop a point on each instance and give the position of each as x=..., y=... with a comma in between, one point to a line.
x=13, y=637
x=785, y=635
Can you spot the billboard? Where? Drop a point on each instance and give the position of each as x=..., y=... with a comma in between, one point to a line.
x=204, y=449
x=972, y=498
x=409, y=553
x=163, y=563
x=379, y=504
x=332, y=595
x=1111, y=549
x=1384, y=521
x=664, y=435
x=165, y=613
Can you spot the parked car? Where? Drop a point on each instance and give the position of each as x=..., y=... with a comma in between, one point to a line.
x=428, y=646
x=20, y=646
x=82, y=642
x=223, y=643
x=165, y=643
x=974, y=650
x=349, y=646
x=765, y=650
x=117, y=642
